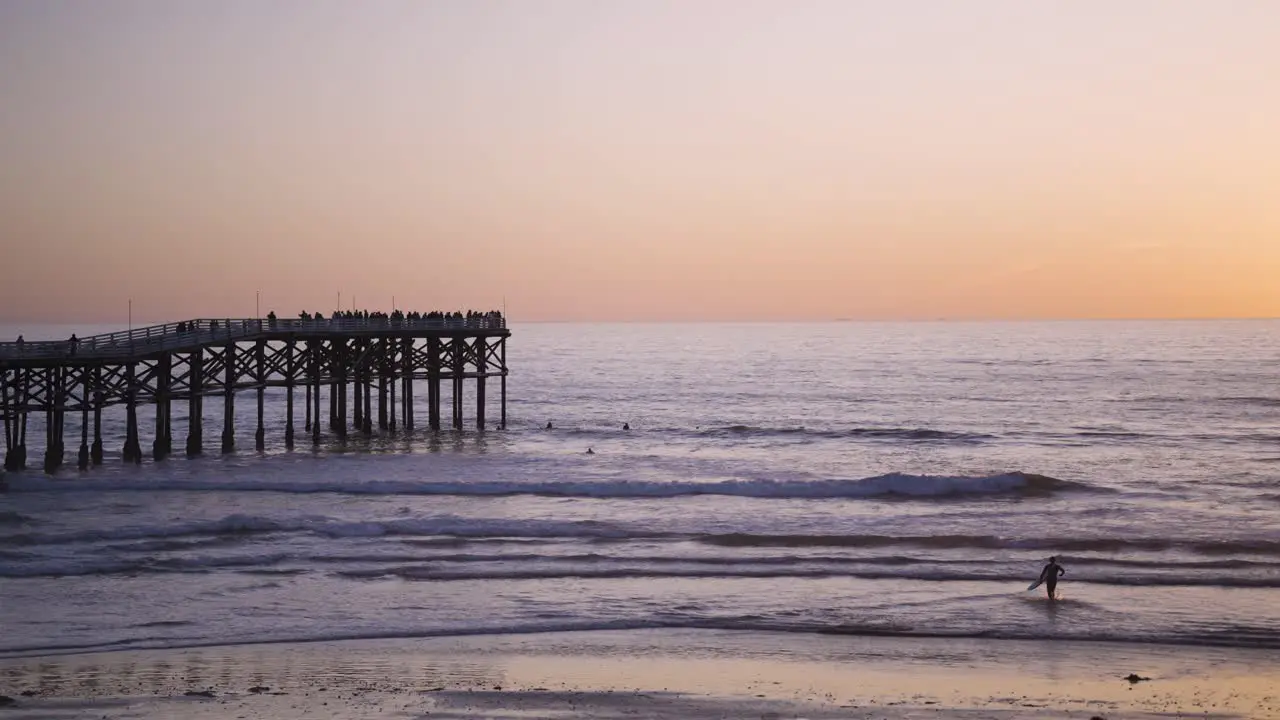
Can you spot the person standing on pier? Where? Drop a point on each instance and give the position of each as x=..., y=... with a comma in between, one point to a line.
x=20, y=344
x=75, y=341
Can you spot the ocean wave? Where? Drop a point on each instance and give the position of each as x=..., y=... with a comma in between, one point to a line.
x=873, y=433
x=1112, y=434
x=9, y=517
x=503, y=565
x=1229, y=637
x=229, y=525
x=436, y=573
x=250, y=525
x=900, y=485
x=1261, y=401
x=996, y=542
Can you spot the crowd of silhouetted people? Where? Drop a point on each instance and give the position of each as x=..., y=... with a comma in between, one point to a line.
x=493, y=316
x=490, y=317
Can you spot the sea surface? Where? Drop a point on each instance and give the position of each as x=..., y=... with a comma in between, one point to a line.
x=824, y=478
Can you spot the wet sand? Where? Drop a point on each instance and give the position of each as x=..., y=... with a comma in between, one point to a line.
x=659, y=673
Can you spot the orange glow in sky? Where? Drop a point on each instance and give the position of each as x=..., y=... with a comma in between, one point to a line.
x=641, y=159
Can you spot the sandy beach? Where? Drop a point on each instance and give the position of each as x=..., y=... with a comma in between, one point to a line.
x=684, y=674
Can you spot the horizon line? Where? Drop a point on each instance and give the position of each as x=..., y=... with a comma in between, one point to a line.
x=713, y=321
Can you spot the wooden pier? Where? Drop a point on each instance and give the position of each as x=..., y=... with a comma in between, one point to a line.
x=356, y=362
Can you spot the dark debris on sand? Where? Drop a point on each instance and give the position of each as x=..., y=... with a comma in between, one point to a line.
x=199, y=693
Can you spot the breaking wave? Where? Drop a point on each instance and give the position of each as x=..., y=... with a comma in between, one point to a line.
x=899, y=485
x=873, y=433
x=995, y=542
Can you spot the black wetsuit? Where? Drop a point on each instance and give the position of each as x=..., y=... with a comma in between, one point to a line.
x=1050, y=575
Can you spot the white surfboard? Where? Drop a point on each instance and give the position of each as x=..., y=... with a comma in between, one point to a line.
x=1038, y=581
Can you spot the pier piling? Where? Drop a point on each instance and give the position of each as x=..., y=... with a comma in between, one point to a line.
x=82, y=457
x=406, y=369
x=163, y=367
x=132, y=448
x=260, y=354
x=229, y=398
x=291, y=374
x=195, y=405
x=95, y=452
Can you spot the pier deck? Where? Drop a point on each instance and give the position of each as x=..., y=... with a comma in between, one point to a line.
x=191, y=360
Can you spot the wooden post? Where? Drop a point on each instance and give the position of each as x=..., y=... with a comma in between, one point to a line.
x=315, y=379
x=50, y=445
x=340, y=357
x=503, y=343
x=168, y=425
x=132, y=448
x=195, y=404
x=82, y=458
x=357, y=380
x=163, y=368
x=383, y=360
x=15, y=457
x=95, y=452
x=391, y=374
x=309, y=362
x=229, y=398
x=53, y=419
x=288, y=390
x=481, y=347
x=333, y=386
x=433, y=383
x=8, y=422
x=458, y=364
x=63, y=397
x=406, y=401
x=24, y=390
x=168, y=405
x=260, y=353
x=367, y=383
x=13, y=421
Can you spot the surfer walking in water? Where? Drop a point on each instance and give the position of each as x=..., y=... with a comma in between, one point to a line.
x=1049, y=576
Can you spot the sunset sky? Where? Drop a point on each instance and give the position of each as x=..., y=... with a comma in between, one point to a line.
x=641, y=159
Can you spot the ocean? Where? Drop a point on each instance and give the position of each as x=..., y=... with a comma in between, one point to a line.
x=889, y=479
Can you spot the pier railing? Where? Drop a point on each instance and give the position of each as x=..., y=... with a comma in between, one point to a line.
x=175, y=335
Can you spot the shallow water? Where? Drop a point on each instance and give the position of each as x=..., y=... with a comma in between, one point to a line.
x=834, y=478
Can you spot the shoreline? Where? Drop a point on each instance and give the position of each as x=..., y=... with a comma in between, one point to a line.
x=653, y=673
